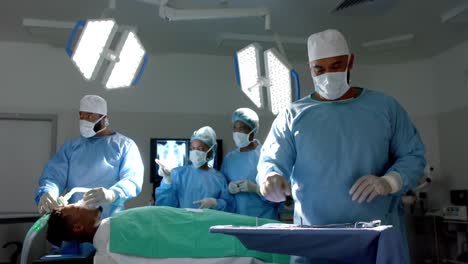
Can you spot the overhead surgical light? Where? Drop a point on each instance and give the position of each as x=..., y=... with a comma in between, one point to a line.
x=121, y=73
x=125, y=64
x=279, y=74
x=96, y=38
x=247, y=62
x=281, y=81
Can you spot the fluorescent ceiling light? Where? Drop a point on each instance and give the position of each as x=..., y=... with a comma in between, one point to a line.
x=122, y=72
x=249, y=75
x=259, y=38
x=278, y=73
x=94, y=40
x=397, y=41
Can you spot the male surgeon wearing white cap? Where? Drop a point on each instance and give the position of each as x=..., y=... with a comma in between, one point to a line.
x=107, y=162
x=345, y=154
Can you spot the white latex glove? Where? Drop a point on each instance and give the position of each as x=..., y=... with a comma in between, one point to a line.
x=368, y=187
x=62, y=201
x=207, y=203
x=247, y=186
x=164, y=171
x=99, y=196
x=233, y=187
x=275, y=188
x=47, y=203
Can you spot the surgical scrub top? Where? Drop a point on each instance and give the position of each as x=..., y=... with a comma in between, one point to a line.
x=190, y=184
x=323, y=148
x=238, y=166
x=112, y=162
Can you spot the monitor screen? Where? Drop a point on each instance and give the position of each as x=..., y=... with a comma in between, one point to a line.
x=175, y=153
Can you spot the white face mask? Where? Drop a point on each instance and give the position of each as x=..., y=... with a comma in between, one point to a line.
x=332, y=85
x=198, y=157
x=87, y=128
x=241, y=139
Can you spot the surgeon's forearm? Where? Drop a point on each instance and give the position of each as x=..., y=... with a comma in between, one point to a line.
x=125, y=190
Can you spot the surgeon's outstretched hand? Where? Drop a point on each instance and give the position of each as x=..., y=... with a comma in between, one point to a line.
x=99, y=196
x=207, y=203
x=275, y=188
x=164, y=171
x=368, y=187
x=47, y=203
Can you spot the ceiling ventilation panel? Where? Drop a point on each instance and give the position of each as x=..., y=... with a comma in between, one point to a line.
x=363, y=7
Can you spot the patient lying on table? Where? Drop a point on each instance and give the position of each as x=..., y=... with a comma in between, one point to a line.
x=156, y=232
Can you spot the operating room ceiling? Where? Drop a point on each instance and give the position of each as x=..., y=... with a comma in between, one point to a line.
x=291, y=19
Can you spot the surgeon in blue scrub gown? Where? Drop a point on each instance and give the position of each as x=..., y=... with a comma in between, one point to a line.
x=346, y=154
x=195, y=185
x=240, y=167
x=107, y=162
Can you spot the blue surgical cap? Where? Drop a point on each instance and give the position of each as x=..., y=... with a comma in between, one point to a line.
x=205, y=134
x=246, y=116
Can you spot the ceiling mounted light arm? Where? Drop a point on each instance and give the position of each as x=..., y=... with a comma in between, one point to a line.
x=279, y=44
x=172, y=14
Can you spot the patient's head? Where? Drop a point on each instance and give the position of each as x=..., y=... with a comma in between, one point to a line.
x=73, y=222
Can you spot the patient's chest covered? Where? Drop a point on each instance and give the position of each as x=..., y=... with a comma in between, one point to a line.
x=167, y=232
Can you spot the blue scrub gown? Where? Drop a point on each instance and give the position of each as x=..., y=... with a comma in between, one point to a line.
x=323, y=148
x=238, y=166
x=190, y=184
x=112, y=162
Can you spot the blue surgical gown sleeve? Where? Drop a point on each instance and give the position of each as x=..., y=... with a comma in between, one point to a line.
x=130, y=174
x=406, y=148
x=224, y=202
x=166, y=194
x=55, y=174
x=232, y=202
x=278, y=154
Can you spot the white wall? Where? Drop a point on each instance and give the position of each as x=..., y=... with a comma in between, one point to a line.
x=451, y=72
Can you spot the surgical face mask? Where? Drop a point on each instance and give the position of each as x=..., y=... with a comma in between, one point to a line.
x=332, y=85
x=87, y=128
x=198, y=157
x=241, y=139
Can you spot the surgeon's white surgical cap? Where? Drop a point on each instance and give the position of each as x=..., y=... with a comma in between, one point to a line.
x=326, y=44
x=93, y=104
x=246, y=116
x=205, y=134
